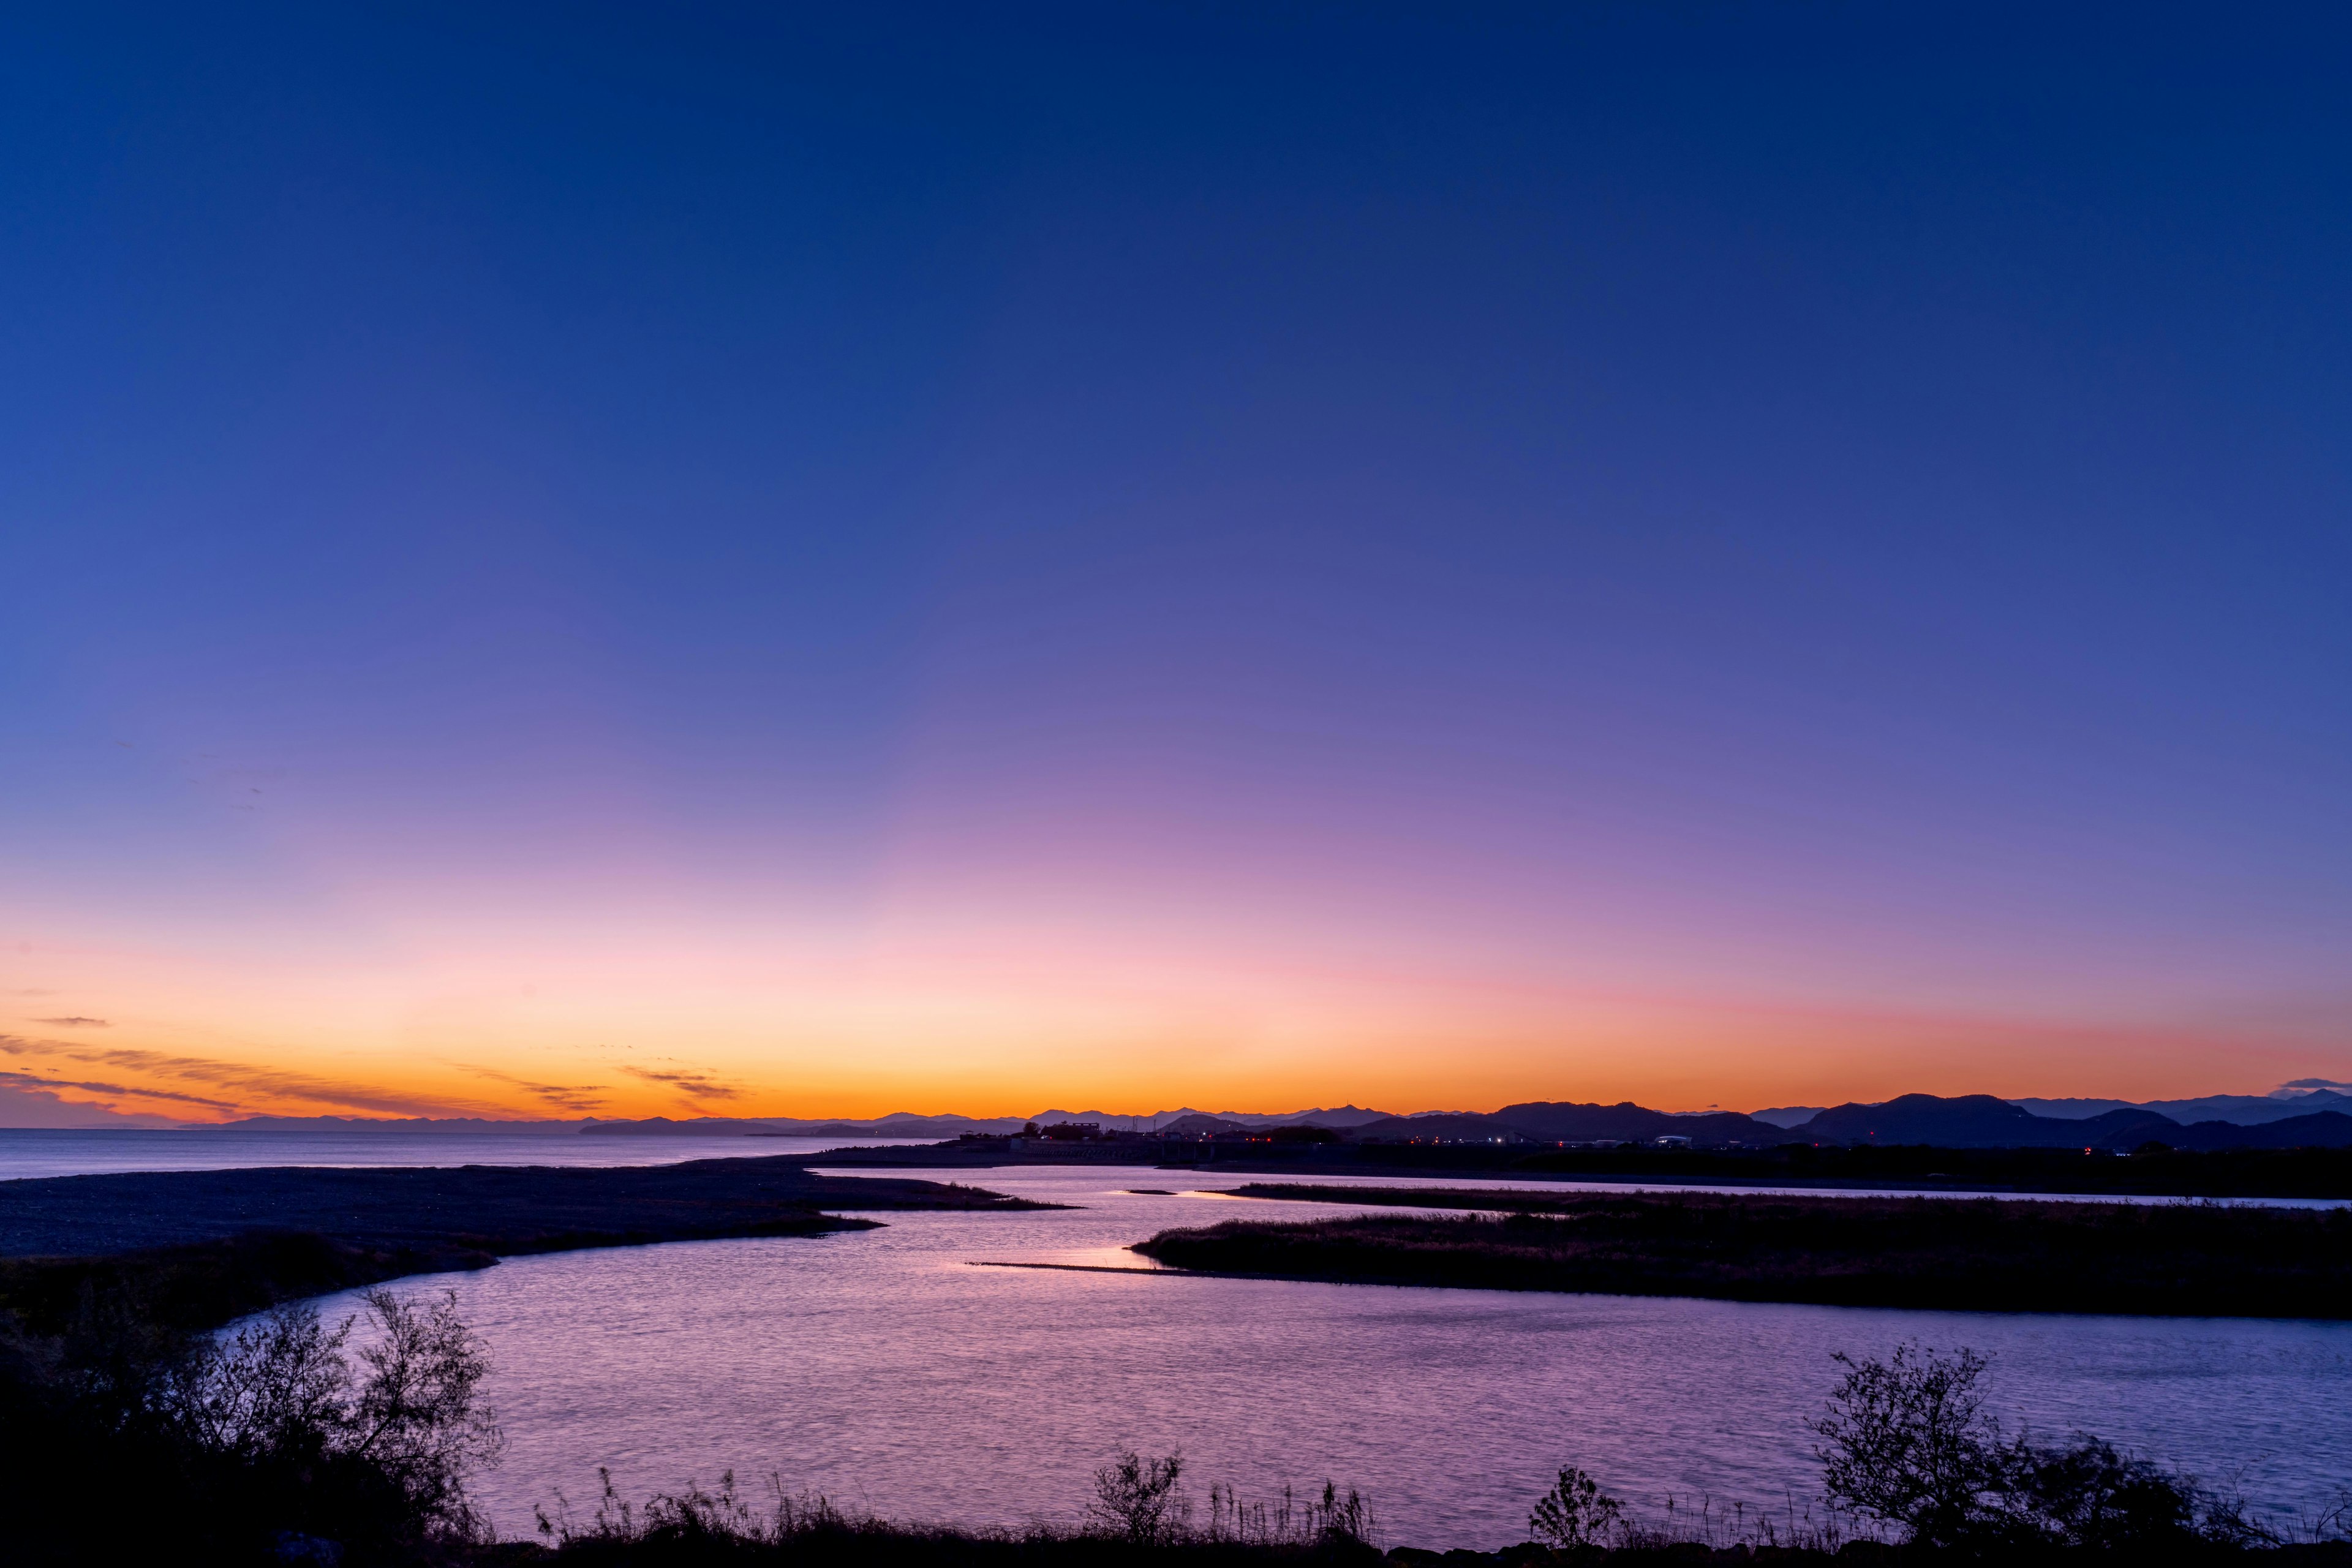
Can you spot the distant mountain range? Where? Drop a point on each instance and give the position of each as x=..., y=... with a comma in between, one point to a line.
x=2322, y=1116
x=2246, y=1109
x=1559, y=1121
x=1964, y=1121
x=1974, y=1120
x=1982, y=1121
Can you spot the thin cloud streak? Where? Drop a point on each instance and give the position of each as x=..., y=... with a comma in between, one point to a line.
x=583, y=1098
x=261, y=1082
x=691, y=1084
x=34, y=1080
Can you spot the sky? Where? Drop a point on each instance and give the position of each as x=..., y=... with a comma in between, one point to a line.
x=820, y=561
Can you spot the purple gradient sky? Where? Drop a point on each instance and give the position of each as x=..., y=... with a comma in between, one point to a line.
x=1711, y=555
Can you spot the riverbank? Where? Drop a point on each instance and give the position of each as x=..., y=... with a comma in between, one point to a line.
x=2005, y=1256
x=2302, y=1173
x=194, y=1249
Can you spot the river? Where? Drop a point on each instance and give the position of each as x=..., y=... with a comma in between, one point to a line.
x=890, y=1370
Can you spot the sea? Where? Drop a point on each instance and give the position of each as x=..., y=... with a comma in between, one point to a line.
x=44, y=1151
x=921, y=1371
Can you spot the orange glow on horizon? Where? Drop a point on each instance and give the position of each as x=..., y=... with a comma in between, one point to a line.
x=664, y=1036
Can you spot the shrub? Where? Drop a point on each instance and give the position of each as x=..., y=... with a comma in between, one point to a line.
x=279, y=1438
x=1907, y=1440
x=1136, y=1498
x=279, y=1401
x=1575, y=1513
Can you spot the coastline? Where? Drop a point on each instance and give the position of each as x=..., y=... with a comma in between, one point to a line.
x=191, y=1249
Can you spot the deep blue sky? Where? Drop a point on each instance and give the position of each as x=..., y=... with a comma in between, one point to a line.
x=1830, y=508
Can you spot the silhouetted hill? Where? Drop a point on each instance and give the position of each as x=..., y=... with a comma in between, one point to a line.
x=657, y=1126
x=1201, y=1124
x=1448, y=1129
x=1969, y=1120
x=1339, y=1116
x=2250, y=1111
x=2127, y=1128
x=1982, y=1121
x=2321, y=1129
x=935, y=1131
x=901, y=1124
x=2245, y=1110
x=1563, y=1121
x=1548, y=1122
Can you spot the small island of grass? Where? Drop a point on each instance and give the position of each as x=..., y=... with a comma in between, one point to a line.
x=1984, y=1255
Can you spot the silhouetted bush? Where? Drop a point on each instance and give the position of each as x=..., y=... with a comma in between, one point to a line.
x=1576, y=1513
x=1908, y=1441
x=268, y=1443
x=1137, y=1498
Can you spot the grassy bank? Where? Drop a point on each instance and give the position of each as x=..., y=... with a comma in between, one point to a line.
x=192, y=1249
x=1990, y=1254
x=2155, y=1172
x=871, y=1544
x=949, y=1549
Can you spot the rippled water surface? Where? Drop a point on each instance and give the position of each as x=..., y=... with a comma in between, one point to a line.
x=884, y=1369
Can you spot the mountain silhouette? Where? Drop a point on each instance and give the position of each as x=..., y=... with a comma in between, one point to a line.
x=1983, y=1121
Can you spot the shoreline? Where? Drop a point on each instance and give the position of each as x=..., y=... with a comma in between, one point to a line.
x=2322, y=1175
x=192, y=1249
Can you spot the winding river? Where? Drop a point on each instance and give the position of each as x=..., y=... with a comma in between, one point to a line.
x=894, y=1371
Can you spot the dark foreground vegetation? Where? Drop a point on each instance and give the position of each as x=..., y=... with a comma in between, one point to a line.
x=125, y=1440
x=297, y=1440
x=1914, y=1470
x=1985, y=1255
x=2153, y=1170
